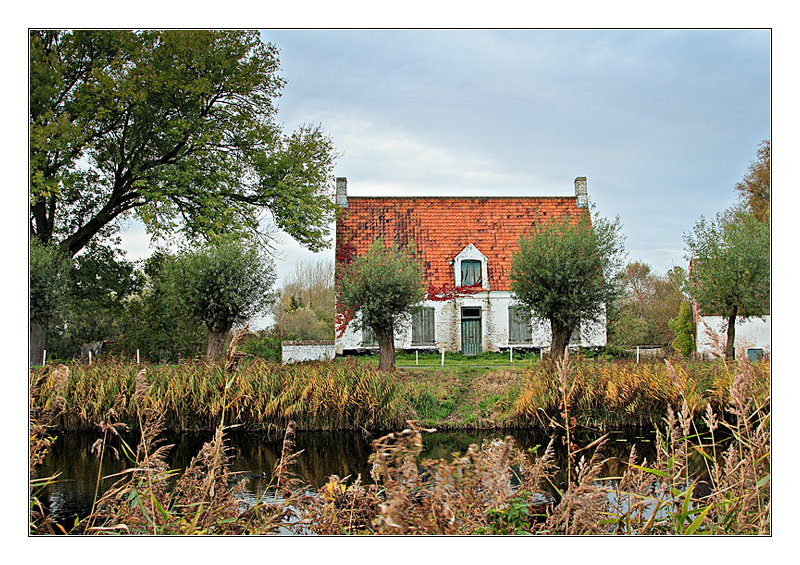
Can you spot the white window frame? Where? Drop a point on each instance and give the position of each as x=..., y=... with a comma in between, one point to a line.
x=471, y=253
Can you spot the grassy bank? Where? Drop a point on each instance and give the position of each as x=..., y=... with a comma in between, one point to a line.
x=472, y=493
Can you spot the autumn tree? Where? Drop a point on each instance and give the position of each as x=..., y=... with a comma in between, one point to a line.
x=755, y=187
x=641, y=315
x=381, y=288
x=567, y=272
x=306, y=301
x=221, y=284
x=730, y=268
x=174, y=128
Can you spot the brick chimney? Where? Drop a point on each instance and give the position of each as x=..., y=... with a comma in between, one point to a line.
x=341, y=192
x=581, y=194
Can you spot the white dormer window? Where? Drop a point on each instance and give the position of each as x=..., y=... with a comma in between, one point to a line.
x=471, y=268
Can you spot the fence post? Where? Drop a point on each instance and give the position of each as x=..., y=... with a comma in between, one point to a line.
x=137, y=356
x=44, y=357
x=637, y=354
x=416, y=354
x=443, y=357
x=511, y=354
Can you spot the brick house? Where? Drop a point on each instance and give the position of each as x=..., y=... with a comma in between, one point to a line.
x=465, y=245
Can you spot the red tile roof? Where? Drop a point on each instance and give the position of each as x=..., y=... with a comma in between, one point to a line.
x=442, y=227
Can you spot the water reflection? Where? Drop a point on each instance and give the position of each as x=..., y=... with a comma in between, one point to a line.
x=324, y=454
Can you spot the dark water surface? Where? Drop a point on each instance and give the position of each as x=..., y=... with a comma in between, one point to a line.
x=324, y=454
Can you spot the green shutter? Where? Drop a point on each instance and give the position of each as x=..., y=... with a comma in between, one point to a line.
x=423, y=331
x=519, y=325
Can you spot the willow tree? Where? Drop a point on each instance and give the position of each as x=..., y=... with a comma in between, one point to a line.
x=567, y=272
x=730, y=274
x=380, y=288
x=174, y=128
x=221, y=284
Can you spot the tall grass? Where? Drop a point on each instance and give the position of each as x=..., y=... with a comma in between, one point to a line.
x=315, y=395
x=621, y=394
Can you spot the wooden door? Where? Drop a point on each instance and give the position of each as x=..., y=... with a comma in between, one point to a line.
x=471, y=338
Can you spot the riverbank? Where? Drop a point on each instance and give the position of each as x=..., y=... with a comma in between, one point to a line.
x=472, y=493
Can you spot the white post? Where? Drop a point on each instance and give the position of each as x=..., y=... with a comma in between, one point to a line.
x=416, y=354
x=137, y=356
x=442, y=357
x=90, y=357
x=637, y=354
x=44, y=357
x=511, y=354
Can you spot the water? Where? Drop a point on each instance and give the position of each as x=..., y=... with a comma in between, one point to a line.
x=324, y=454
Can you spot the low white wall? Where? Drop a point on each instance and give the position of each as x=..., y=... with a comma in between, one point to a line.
x=298, y=351
x=494, y=318
x=751, y=333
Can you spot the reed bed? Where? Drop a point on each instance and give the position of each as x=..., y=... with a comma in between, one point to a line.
x=193, y=396
x=622, y=394
x=491, y=489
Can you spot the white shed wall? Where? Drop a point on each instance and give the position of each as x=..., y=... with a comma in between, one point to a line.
x=299, y=351
x=751, y=333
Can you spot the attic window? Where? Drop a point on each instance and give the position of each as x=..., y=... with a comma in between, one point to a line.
x=470, y=267
x=470, y=273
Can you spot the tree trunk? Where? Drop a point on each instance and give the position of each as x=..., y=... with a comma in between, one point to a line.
x=216, y=345
x=730, y=353
x=560, y=339
x=387, y=354
x=37, y=336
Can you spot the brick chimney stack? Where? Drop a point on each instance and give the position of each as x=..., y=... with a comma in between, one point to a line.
x=581, y=194
x=341, y=192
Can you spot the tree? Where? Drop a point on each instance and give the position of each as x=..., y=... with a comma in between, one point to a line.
x=221, y=284
x=730, y=268
x=48, y=291
x=755, y=188
x=381, y=288
x=176, y=128
x=649, y=301
x=566, y=272
x=155, y=323
x=305, y=307
x=683, y=328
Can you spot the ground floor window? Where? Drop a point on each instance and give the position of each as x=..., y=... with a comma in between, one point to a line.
x=423, y=330
x=519, y=325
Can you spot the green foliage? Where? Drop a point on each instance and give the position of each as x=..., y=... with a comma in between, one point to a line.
x=49, y=282
x=513, y=518
x=567, y=272
x=382, y=287
x=263, y=343
x=155, y=323
x=176, y=128
x=730, y=266
x=223, y=283
x=683, y=328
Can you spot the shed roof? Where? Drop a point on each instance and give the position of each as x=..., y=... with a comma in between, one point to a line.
x=441, y=227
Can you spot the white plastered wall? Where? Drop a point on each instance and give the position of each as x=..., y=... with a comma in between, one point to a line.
x=751, y=333
x=494, y=320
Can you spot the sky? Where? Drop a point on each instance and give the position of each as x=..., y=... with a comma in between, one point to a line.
x=663, y=123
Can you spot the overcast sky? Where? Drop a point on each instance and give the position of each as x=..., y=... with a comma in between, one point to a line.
x=662, y=123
